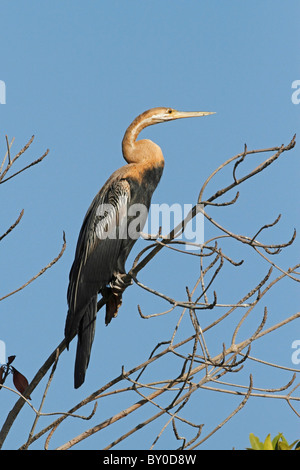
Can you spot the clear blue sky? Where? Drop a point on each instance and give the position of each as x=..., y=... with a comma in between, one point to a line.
x=76, y=74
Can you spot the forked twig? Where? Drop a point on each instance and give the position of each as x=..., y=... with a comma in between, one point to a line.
x=197, y=367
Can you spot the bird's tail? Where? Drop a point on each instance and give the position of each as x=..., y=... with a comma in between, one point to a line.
x=86, y=333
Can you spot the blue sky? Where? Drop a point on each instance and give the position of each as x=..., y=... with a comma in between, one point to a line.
x=76, y=74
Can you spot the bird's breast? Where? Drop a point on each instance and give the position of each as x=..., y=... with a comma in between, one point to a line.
x=143, y=182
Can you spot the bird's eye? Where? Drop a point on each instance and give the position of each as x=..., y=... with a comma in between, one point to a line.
x=170, y=111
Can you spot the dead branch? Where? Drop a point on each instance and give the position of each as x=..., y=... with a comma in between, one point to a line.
x=13, y=225
x=11, y=162
x=197, y=366
x=42, y=271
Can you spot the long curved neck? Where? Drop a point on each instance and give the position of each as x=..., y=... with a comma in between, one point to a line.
x=140, y=151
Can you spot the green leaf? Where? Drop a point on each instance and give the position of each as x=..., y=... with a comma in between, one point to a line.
x=255, y=442
x=278, y=443
x=268, y=443
x=284, y=440
x=297, y=446
x=275, y=441
x=282, y=446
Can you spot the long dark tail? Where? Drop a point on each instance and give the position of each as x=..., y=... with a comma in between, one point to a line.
x=86, y=333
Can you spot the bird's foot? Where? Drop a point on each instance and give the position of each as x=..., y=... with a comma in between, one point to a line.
x=120, y=282
x=117, y=286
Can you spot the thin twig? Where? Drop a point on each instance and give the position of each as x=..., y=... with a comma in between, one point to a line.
x=40, y=272
x=13, y=225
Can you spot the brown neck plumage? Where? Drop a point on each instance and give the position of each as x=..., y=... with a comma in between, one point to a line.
x=141, y=151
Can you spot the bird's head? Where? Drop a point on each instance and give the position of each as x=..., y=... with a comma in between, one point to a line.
x=156, y=115
x=148, y=118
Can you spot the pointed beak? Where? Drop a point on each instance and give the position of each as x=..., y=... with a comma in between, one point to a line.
x=183, y=114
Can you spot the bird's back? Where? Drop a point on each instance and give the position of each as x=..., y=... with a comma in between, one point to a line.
x=98, y=257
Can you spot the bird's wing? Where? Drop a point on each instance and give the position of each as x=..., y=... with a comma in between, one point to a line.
x=98, y=248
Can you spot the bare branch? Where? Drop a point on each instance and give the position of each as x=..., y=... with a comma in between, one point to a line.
x=12, y=161
x=198, y=365
x=40, y=272
x=13, y=225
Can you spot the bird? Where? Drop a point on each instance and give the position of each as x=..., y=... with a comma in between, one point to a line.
x=104, y=243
